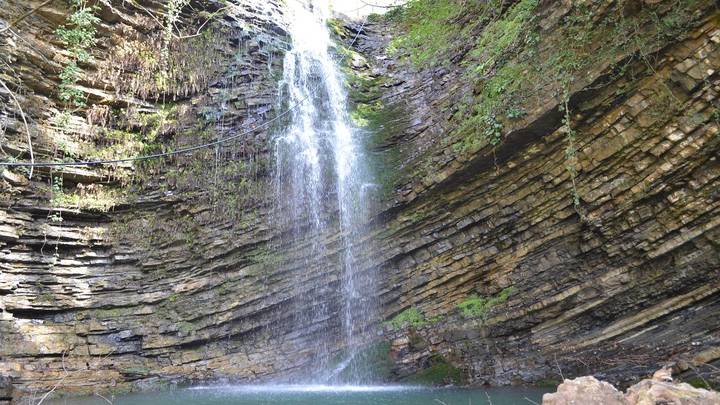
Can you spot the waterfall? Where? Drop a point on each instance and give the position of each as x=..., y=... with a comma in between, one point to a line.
x=320, y=181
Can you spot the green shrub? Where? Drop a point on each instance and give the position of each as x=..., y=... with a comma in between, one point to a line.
x=475, y=307
x=78, y=36
x=411, y=317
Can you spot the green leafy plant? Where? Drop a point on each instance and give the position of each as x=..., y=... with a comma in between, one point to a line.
x=477, y=307
x=55, y=218
x=411, y=317
x=514, y=113
x=492, y=129
x=78, y=36
x=57, y=185
x=715, y=115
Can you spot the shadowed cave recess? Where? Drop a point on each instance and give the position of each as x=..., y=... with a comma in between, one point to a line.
x=446, y=192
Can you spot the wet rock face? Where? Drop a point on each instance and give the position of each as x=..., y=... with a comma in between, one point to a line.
x=137, y=275
x=6, y=390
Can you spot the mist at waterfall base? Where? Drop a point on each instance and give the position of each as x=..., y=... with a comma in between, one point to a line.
x=322, y=395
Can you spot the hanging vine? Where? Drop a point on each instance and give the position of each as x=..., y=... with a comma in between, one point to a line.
x=571, y=151
x=174, y=8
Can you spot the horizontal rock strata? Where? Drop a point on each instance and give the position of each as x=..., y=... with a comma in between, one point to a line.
x=136, y=275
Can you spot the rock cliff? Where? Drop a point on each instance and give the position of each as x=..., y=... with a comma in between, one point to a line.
x=547, y=202
x=577, y=231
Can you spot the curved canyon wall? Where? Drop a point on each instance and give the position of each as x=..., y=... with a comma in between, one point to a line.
x=603, y=261
x=593, y=233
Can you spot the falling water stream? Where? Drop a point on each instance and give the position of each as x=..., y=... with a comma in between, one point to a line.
x=321, y=180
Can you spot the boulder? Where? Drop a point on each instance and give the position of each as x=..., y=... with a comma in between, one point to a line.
x=652, y=392
x=658, y=390
x=583, y=391
x=14, y=179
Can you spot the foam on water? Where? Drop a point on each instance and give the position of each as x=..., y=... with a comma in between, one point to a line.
x=309, y=388
x=319, y=394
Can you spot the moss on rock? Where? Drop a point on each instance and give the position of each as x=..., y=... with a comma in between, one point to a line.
x=440, y=372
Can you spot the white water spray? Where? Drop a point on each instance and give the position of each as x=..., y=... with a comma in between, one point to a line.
x=320, y=183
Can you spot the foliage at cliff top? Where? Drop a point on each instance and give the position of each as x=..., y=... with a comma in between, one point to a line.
x=507, y=59
x=428, y=26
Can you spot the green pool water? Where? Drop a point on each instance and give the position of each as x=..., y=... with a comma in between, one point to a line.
x=322, y=395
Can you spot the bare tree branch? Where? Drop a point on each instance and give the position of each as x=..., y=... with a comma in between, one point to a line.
x=106, y=400
x=26, y=15
x=27, y=128
x=58, y=383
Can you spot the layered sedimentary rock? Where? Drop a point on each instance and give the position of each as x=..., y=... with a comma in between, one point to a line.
x=603, y=222
x=116, y=275
x=124, y=277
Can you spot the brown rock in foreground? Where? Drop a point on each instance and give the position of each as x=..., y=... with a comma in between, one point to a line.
x=650, y=392
x=588, y=390
x=585, y=390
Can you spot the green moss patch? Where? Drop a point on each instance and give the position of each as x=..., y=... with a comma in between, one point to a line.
x=698, y=382
x=476, y=307
x=373, y=362
x=411, y=317
x=440, y=372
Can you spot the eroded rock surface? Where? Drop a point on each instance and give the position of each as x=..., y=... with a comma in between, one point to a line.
x=585, y=390
x=123, y=277
x=616, y=284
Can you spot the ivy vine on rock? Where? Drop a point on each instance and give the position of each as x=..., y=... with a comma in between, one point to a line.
x=78, y=36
